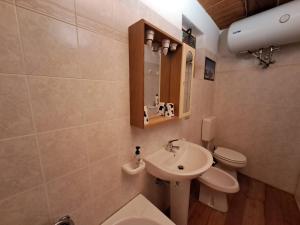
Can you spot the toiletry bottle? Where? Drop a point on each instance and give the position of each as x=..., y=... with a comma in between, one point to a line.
x=156, y=100
x=138, y=155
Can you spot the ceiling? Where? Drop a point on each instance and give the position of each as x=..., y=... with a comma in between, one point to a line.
x=225, y=12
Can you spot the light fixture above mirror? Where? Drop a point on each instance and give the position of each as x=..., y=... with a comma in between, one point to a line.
x=149, y=37
x=173, y=46
x=160, y=46
x=165, y=46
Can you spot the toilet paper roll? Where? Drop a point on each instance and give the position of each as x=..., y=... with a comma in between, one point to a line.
x=146, y=115
x=161, y=109
x=156, y=100
x=169, y=109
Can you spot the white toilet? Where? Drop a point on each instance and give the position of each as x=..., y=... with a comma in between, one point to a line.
x=229, y=160
x=217, y=181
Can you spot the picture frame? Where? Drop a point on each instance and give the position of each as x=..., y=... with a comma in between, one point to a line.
x=209, y=69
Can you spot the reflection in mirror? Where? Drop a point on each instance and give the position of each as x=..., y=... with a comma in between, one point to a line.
x=151, y=79
x=187, y=81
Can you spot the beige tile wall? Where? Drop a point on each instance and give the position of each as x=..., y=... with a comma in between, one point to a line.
x=64, y=115
x=258, y=113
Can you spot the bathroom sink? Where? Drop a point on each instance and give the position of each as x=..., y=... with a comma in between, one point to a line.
x=185, y=163
x=137, y=221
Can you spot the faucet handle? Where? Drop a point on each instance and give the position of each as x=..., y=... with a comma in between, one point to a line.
x=65, y=220
x=173, y=140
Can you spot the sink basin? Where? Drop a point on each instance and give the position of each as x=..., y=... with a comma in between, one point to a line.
x=188, y=162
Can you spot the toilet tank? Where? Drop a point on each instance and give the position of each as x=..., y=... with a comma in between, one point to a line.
x=209, y=128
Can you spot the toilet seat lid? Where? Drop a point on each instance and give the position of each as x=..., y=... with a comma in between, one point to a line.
x=230, y=155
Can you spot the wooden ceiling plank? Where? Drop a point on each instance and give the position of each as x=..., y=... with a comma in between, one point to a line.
x=208, y=3
x=225, y=12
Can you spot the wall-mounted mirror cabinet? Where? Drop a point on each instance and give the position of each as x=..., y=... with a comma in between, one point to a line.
x=160, y=87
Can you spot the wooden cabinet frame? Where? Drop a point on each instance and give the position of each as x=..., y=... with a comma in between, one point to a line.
x=170, y=73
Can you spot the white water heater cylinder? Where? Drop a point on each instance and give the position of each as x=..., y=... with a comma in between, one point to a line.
x=274, y=27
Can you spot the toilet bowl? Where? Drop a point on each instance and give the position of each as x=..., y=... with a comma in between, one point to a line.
x=215, y=184
x=230, y=157
x=229, y=160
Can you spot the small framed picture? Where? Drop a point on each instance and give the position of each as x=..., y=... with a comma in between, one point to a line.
x=209, y=70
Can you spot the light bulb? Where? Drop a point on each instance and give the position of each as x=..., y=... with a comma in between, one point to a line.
x=149, y=43
x=149, y=37
x=173, y=46
x=165, y=51
x=165, y=45
x=155, y=46
x=159, y=50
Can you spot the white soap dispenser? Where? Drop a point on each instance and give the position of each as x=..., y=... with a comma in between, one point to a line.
x=135, y=166
x=138, y=155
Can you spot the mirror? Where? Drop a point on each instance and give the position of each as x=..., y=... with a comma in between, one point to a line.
x=188, y=75
x=152, y=71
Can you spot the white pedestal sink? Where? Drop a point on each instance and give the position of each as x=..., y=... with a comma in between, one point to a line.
x=179, y=167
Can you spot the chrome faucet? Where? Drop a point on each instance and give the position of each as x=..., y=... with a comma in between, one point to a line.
x=170, y=147
x=65, y=220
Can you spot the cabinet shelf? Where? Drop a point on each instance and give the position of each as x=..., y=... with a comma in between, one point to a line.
x=158, y=120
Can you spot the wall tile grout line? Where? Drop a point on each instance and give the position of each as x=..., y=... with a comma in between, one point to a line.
x=40, y=155
x=108, y=34
x=256, y=69
x=86, y=144
x=60, y=77
x=63, y=129
x=76, y=23
x=20, y=39
x=31, y=111
x=66, y=174
x=35, y=129
x=11, y=3
x=20, y=193
x=44, y=177
x=44, y=14
x=17, y=137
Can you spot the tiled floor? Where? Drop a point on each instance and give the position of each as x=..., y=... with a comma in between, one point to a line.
x=255, y=204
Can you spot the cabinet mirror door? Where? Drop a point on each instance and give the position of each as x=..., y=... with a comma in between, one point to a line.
x=188, y=59
x=187, y=81
x=152, y=76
